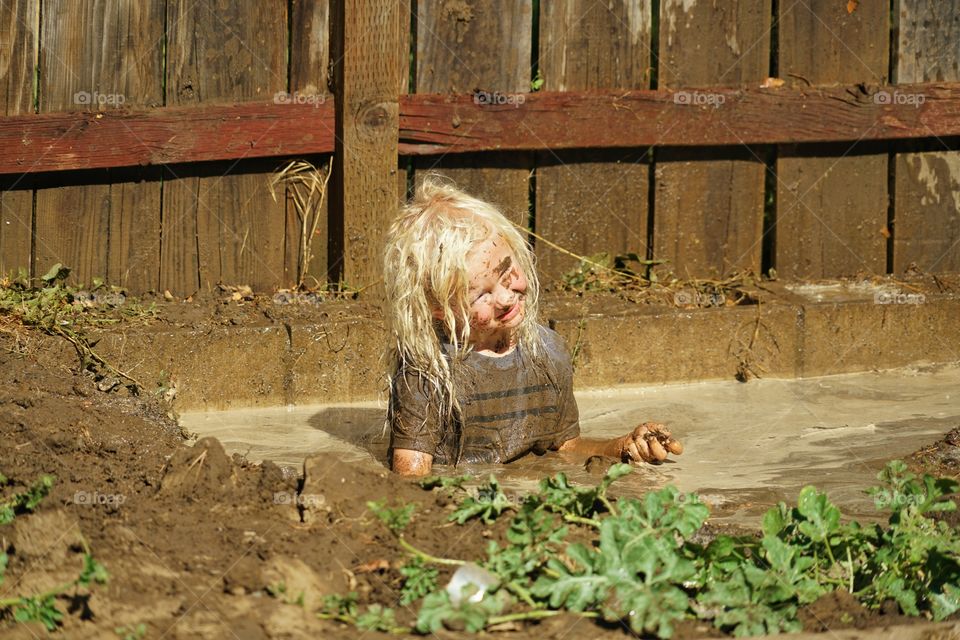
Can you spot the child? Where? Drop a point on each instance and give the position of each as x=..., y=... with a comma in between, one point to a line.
x=473, y=376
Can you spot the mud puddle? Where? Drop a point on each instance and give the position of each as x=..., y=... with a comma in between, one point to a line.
x=748, y=446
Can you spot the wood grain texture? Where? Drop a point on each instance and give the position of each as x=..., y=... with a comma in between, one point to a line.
x=711, y=221
x=708, y=218
x=20, y=25
x=309, y=76
x=221, y=51
x=432, y=124
x=592, y=201
x=98, y=57
x=926, y=225
x=927, y=213
x=366, y=48
x=463, y=45
x=832, y=210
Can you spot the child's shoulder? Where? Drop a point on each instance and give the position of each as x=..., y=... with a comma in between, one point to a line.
x=554, y=345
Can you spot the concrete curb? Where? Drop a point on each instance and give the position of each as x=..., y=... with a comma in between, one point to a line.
x=338, y=359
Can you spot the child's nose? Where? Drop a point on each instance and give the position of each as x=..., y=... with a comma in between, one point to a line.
x=505, y=296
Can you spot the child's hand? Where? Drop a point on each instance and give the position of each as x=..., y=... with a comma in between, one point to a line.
x=649, y=442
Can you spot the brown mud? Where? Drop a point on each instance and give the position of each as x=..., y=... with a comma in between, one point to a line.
x=195, y=542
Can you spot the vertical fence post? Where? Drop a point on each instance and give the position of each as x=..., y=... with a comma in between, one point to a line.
x=16, y=98
x=708, y=218
x=832, y=199
x=926, y=229
x=365, y=38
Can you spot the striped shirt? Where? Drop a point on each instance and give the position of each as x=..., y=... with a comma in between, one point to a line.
x=511, y=407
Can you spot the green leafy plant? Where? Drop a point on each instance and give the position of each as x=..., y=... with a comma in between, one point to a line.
x=635, y=561
x=132, y=632
x=487, y=503
x=41, y=607
x=396, y=518
x=419, y=580
x=26, y=500
x=56, y=308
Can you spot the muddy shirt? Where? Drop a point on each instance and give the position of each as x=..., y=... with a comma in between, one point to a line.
x=510, y=408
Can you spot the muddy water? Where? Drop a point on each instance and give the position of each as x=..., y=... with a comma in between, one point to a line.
x=748, y=446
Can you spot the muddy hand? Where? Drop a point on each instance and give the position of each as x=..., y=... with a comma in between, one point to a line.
x=650, y=442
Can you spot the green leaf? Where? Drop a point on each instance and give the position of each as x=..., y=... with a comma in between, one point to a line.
x=437, y=611
x=487, y=505
x=419, y=580
x=377, y=618
x=444, y=482
x=92, y=571
x=945, y=603
x=335, y=604
x=822, y=518
x=649, y=608
x=56, y=272
x=572, y=589
x=775, y=520
x=737, y=607
x=43, y=610
x=397, y=518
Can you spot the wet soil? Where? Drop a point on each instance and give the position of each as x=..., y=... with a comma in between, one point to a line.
x=196, y=541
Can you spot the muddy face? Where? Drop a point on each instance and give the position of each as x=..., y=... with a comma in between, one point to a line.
x=496, y=294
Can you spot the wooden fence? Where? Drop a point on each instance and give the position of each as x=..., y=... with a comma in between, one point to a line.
x=817, y=137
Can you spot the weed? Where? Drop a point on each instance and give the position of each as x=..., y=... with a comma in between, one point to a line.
x=41, y=607
x=132, y=632
x=635, y=561
x=307, y=187
x=395, y=519
x=66, y=311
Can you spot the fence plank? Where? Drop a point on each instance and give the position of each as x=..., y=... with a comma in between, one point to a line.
x=18, y=54
x=234, y=231
x=708, y=217
x=832, y=201
x=309, y=77
x=432, y=124
x=366, y=45
x=926, y=228
x=468, y=45
x=101, y=56
x=592, y=201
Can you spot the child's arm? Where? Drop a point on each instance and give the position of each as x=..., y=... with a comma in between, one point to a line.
x=408, y=462
x=648, y=442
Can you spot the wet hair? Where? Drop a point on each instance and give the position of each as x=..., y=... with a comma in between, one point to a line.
x=425, y=270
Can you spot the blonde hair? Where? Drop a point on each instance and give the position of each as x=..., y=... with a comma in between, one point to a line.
x=425, y=270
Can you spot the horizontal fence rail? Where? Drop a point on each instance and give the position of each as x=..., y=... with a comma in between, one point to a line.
x=487, y=121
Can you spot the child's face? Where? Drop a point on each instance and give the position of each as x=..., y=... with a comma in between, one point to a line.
x=495, y=294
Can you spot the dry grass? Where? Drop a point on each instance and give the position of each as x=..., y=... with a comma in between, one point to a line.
x=307, y=186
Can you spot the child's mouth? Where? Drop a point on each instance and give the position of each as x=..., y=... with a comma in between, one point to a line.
x=510, y=313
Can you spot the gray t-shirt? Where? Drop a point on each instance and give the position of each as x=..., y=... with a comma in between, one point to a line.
x=511, y=406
